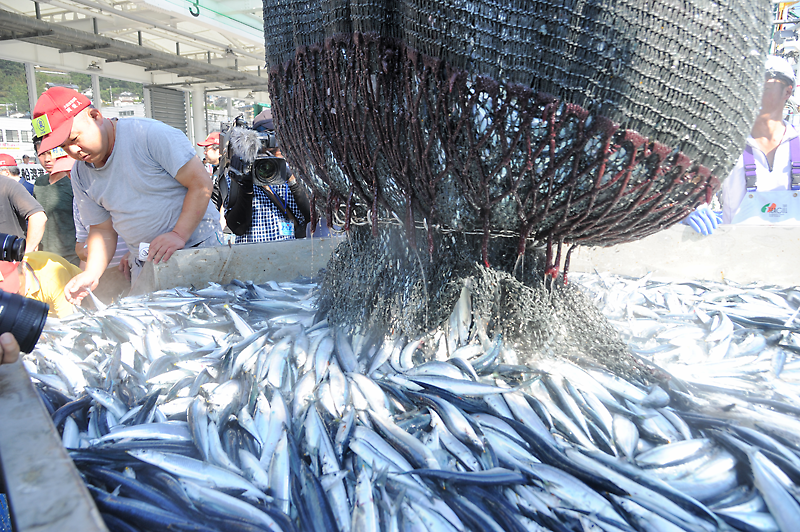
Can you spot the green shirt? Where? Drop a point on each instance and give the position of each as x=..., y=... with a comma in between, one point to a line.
x=59, y=232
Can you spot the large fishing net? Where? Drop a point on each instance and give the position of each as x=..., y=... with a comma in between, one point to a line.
x=586, y=122
x=495, y=133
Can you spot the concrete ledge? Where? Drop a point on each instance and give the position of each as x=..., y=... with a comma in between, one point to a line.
x=45, y=491
x=743, y=254
x=276, y=261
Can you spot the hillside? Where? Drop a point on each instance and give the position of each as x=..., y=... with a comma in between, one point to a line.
x=14, y=88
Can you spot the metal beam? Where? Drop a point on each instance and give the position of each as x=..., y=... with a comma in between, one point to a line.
x=129, y=58
x=81, y=49
x=198, y=74
x=165, y=68
x=15, y=37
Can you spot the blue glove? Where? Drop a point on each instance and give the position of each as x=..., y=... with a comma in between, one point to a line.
x=703, y=220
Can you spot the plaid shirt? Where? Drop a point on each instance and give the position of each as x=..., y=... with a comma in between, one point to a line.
x=267, y=219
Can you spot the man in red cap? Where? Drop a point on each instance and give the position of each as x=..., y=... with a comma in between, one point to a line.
x=135, y=177
x=9, y=168
x=20, y=214
x=211, y=151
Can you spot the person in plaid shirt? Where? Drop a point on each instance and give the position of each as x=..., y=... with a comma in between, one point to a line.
x=277, y=196
x=269, y=224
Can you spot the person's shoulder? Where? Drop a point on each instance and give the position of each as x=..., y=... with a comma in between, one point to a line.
x=41, y=259
x=142, y=124
x=42, y=180
x=12, y=186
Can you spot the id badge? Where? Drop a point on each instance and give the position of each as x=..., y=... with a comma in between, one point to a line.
x=286, y=228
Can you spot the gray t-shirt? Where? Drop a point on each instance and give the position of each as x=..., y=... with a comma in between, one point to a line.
x=137, y=186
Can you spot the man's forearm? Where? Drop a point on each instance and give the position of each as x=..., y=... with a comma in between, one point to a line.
x=33, y=237
x=194, y=208
x=101, y=245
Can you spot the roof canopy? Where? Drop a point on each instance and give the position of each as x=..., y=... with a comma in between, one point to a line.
x=146, y=41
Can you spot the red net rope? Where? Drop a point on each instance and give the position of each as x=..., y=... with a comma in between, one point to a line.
x=380, y=132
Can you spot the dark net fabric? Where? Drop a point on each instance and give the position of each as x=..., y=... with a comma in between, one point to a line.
x=588, y=122
x=378, y=285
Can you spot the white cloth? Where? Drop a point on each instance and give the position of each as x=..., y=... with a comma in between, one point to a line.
x=775, y=207
x=778, y=178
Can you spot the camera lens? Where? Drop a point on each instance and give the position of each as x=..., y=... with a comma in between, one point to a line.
x=266, y=169
x=23, y=317
x=13, y=248
x=269, y=171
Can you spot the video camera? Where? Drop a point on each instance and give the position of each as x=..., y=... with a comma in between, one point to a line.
x=22, y=316
x=246, y=157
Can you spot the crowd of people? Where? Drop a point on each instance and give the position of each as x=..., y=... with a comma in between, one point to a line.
x=111, y=188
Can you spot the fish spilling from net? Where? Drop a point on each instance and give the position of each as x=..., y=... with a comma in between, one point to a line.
x=240, y=407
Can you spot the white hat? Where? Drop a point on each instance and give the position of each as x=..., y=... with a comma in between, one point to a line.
x=779, y=68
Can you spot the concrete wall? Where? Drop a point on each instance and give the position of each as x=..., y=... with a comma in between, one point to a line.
x=736, y=253
x=743, y=254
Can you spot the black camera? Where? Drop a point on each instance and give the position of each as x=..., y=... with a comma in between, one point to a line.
x=13, y=249
x=269, y=171
x=23, y=317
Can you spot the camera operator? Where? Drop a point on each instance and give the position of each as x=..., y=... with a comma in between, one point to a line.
x=262, y=201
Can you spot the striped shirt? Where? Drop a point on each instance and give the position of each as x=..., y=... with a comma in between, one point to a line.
x=82, y=235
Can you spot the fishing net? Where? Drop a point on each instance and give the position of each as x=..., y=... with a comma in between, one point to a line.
x=495, y=132
x=585, y=122
x=380, y=284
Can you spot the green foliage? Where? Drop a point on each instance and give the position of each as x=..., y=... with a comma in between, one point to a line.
x=14, y=87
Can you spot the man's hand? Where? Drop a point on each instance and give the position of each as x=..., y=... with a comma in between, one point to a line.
x=125, y=265
x=9, y=348
x=163, y=246
x=79, y=286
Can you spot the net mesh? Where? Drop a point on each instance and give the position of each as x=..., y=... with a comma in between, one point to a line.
x=380, y=286
x=588, y=122
x=483, y=130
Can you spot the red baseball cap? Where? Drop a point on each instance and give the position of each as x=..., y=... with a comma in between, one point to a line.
x=211, y=139
x=7, y=160
x=62, y=164
x=52, y=117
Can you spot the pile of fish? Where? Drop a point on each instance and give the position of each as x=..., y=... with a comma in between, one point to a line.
x=239, y=408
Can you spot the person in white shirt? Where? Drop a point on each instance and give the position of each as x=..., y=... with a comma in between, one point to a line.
x=764, y=185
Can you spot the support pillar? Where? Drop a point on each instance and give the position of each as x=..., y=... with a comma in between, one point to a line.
x=198, y=117
x=33, y=94
x=97, y=101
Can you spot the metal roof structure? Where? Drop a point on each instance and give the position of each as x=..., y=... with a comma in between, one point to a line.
x=214, y=45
